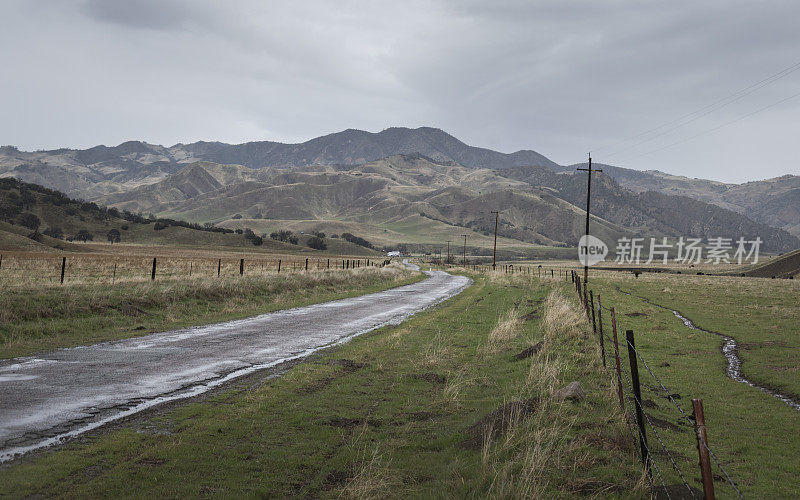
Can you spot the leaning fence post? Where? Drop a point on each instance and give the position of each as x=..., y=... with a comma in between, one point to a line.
x=702, y=449
x=153, y=274
x=616, y=358
x=219, y=267
x=63, y=268
x=637, y=396
x=600, y=324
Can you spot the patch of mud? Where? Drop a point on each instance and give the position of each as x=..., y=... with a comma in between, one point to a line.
x=535, y=314
x=529, y=351
x=499, y=421
x=747, y=346
x=345, y=367
x=662, y=424
x=606, y=442
x=349, y=423
x=433, y=378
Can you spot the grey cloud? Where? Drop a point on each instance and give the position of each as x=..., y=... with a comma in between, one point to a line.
x=558, y=77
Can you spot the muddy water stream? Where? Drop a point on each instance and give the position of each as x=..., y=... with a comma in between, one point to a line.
x=730, y=349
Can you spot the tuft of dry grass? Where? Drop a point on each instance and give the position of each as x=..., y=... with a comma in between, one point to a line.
x=537, y=454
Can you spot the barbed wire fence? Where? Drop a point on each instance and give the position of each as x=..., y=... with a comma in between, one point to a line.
x=639, y=422
x=22, y=271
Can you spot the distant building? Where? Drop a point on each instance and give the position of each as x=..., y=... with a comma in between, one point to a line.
x=394, y=253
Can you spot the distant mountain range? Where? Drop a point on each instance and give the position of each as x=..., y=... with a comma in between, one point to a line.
x=400, y=174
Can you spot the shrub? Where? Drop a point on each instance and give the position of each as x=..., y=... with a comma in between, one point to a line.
x=257, y=241
x=281, y=235
x=29, y=220
x=316, y=243
x=113, y=236
x=159, y=225
x=318, y=234
x=239, y=231
x=293, y=240
x=84, y=236
x=124, y=227
x=356, y=240
x=237, y=216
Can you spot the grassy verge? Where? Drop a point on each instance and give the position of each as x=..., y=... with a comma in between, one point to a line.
x=749, y=430
x=43, y=318
x=438, y=406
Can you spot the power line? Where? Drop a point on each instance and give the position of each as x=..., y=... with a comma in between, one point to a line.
x=706, y=110
x=714, y=129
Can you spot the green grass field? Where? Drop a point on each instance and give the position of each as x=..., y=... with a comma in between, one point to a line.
x=753, y=433
x=438, y=406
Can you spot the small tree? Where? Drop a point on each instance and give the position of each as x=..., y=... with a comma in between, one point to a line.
x=84, y=236
x=159, y=225
x=317, y=243
x=257, y=241
x=113, y=236
x=29, y=220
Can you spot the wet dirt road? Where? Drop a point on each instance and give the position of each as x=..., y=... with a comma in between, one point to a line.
x=54, y=396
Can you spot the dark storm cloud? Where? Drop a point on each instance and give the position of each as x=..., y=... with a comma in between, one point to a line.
x=559, y=77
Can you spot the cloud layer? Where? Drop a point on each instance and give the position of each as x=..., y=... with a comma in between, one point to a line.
x=562, y=78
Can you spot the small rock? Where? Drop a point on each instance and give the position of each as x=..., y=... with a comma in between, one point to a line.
x=664, y=364
x=573, y=391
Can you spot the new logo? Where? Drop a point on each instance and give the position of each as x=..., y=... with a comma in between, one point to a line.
x=591, y=250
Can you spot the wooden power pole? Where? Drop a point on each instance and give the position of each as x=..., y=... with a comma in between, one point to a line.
x=494, y=254
x=588, y=200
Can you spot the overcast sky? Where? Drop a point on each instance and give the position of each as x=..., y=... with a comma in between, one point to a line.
x=562, y=78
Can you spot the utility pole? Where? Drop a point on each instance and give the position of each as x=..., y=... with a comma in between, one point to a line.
x=465, y=249
x=588, y=200
x=494, y=254
x=448, y=253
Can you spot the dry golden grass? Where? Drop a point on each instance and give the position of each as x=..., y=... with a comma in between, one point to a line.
x=134, y=263
x=535, y=453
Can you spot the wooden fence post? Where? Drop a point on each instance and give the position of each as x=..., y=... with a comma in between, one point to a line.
x=637, y=395
x=616, y=358
x=241, y=267
x=329, y=263
x=63, y=268
x=279, y=266
x=306, y=264
x=600, y=323
x=219, y=267
x=702, y=449
x=153, y=274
